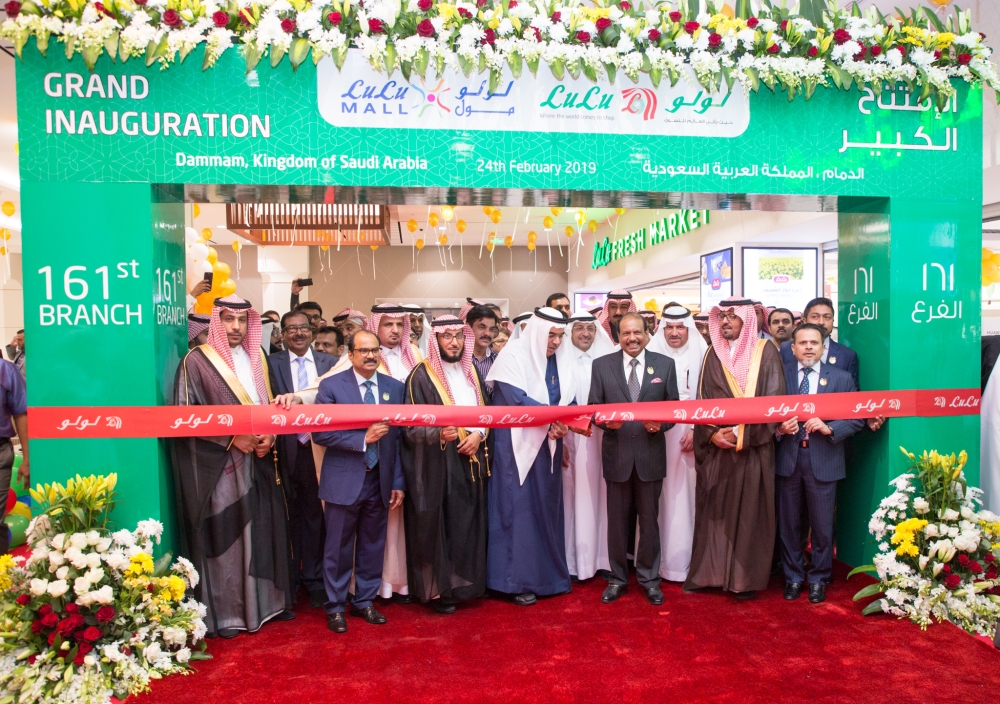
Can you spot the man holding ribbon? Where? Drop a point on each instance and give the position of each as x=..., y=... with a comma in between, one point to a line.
x=231, y=504
x=446, y=470
x=734, y=498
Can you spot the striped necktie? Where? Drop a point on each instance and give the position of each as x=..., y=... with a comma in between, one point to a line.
x=633, y=382
x=804, y=390
x=302, y=381
x=371, y=452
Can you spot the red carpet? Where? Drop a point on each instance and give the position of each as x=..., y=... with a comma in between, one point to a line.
x=572, y=648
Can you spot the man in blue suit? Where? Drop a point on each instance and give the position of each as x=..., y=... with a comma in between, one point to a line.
x=292, y=369
x=809, y=462
x=361, y=479
x=819, y=311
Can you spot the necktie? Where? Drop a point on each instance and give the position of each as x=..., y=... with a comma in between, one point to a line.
x=302, y=382
x=633, y=381
x=371, y=452
x=804, y=390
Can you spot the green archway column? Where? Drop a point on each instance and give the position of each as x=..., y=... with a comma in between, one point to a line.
x=106, y=323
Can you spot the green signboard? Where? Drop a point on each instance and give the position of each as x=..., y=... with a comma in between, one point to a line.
x=673, y=225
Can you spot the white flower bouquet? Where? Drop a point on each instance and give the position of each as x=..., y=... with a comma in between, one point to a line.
x=938, y=552
x=90, y=615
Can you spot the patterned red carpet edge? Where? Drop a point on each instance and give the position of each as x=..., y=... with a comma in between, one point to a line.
x=704, y=647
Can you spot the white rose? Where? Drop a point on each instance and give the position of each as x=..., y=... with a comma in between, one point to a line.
x=58, y=588
x=921, y=506
x=942, y=529
x=78, y=541
x=38, y=586
x=930, y=530
x=93, y=537
x=950, y=515
x=86, y=599
x=182, y=655
x=76, y=558
x=967, y=513
x=56, y=559
x=112, y=653
x=953, y=532
x=40, y=553
x=93, y=559
x=62, y=572
x=103, y=544
x=152, y=651
x=59, y=541
x=81, y=585
x=95, y=575
x=104, y=595
x=89, y=660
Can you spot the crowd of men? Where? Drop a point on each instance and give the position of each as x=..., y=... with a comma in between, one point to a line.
x=440, y=515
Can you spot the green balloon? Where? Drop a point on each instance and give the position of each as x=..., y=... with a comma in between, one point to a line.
x=18, y=529
x=15, y=481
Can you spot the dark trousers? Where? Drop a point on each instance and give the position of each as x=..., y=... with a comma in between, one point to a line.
x=6, y=472
x=820, y=499
x=306, y=514
x=645, y=497
x=355, y=540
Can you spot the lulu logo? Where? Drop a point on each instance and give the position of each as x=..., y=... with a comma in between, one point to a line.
x=278, y=420
x=640, y=100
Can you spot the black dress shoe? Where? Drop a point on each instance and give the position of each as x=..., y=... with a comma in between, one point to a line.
x=743, y=596
x=612, y=593
x=228, y=633
x=285, y=615
x=792, y=590
x=526, y=599
x=654, y=595
x=817, y=593
x=317, y=599
x=369, y=614
x=403, y=598
x=443, y=606
x=337, y=623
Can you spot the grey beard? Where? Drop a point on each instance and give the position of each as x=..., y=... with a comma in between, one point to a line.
x=808, y=363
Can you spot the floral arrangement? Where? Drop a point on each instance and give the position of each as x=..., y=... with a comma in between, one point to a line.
x=938, y=551
x=820, y=44
x=90, y=615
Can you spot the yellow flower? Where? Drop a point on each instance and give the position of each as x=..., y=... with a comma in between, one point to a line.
x=6, y=563
x=141, y=564
x=594, y=13
x=446, y=10
x=177, y=587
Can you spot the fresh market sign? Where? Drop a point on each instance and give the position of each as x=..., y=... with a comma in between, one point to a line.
x=607, y=250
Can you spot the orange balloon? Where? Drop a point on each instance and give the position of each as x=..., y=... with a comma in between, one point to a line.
x=324, y=248
x=531, y=246
x=196, y=210
x=532, y=236
x=460, y=226
x=212, y=256
x=419, y=244
x=487, y=210
x=374, y=247
x=489, y=244
x=7, y=208
x=508, y=240
x=433, y=219
x=548, y=222
x=496, y=216
x=221, y=270
x=411, y=225
x=443, y=240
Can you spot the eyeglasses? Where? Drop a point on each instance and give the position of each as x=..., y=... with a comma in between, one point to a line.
x=451, y=337
x=731, y=317
x=367, y=351
x=297, y=328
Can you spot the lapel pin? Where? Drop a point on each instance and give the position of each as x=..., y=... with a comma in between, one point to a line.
x=649, y=370
x=833, y=360
x=385, y=394
x=822, y=382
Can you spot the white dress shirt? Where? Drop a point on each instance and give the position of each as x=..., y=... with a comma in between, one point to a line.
x=310, y=368
x=361, y=387
x=826, y=349
x=813, y=377
x=392, y=358
x=244, y=372
x=639, y=368
x=461, y=389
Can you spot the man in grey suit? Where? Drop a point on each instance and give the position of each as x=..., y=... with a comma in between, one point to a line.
x=809, y=463
x=634, y=454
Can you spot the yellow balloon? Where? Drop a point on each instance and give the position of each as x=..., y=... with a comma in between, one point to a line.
x=581, y=217
x=411, y=225
x=496, y=216
x=487, y=210
x=324, y=248
x=221, y=270
x=531, y=246
x=592, y=226
x=5, y=233
x=460, y=226
x=374, y=247
x=196, y=209
x=443, y=239
x=986, y=281
x=433, y=220
x=621, y=211
x=987, y=254
x=556, y=211
x=8, y=208
x=989, y=269
x=548, y=222
x=489, y=244
x=212, y=256
x=447, y=212
x=569, y=230
x=995, y=258
x=532, y=236
x=228, y=288
x=20, y=510
x=419, y=244
x=3, y=251
x=508, y=241
x=206, y=233
x=237, y=245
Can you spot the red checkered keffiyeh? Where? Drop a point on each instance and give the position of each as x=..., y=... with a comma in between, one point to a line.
x=409, y=359
x=450, y=322
x=349, y=313
x=469, y=304
x=197, y=324
x=218, y=341
x=617, y=294
x=739, y=364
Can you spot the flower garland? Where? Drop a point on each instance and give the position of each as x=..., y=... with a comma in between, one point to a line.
x=774, y=47
x=940, y=561
x=90, y=615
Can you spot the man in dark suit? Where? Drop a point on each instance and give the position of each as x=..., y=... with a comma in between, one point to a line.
x=819, y=311
x=292, y=369
x=361, y=479
x=809, y=463
x=634, y=454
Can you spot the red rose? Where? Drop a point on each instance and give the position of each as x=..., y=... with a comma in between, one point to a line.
x=975, y=567
x=126, y=650
x=583, y=37
x=964, y=59
x=78, y=636
x=784, y=25
x=813, y=51
x=50, y=619
x=65, y=627
x=691, y=27
x=76, y=620
x=12, y=8
x=937, y=55
x=103, y=10
x=714, y=39
x=512, y=4
x=753, y=22
x=991, y=573
x=220, y=18
x=556, y=17
x=23, y=599
x=31, y=659
x=72, y=608
x=841, y=36
x=538, y=34
x=901, y=49
x=946, y=569
x=45, y=609
x=141, y=2
x=861, y=54
x=773, y=49
x=424, y=5
x=37, y=626
x=952, y=581
x=171, y=18
x=876, y=50
x=288, y=25
x=92, y=633
x=626, y=6
x=602, y=24
x=86, y=648
x=654, y=35
x=78, y=660
x=674, y=16
x=52, y=637
x=244, y=18
x=982, y=36
x=152, y=587
x=375, y=26
x=425, y=28
x=963, y=560
x=334, y=18
x=988, y=558
x=105, y=614
x=480, y=3
x=465, y=14
x=489, y=36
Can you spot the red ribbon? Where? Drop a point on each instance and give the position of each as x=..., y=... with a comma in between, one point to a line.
x=186, y=421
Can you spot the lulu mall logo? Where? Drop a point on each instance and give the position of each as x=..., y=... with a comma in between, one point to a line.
x=640, y=100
